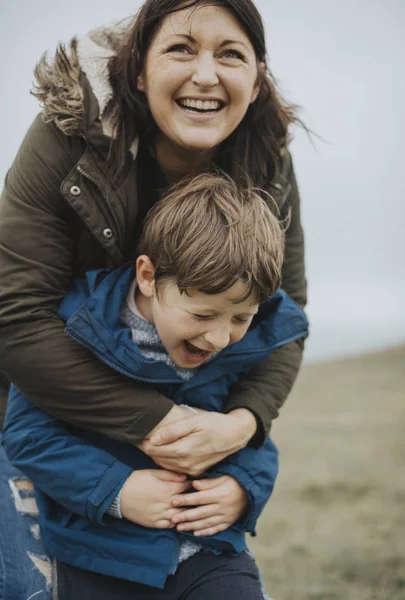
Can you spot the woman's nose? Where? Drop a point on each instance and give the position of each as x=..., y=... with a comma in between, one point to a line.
x=205, y=71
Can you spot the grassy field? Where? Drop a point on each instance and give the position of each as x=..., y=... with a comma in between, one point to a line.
x=335, y=527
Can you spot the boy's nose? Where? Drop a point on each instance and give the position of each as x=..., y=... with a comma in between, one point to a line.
x=218, y=338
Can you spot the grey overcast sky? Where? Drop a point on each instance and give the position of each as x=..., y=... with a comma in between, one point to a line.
x=342, y=62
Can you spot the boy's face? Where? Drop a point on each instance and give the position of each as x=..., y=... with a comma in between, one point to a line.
x=193, y=326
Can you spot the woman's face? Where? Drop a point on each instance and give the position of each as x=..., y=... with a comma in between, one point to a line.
x=200, y=77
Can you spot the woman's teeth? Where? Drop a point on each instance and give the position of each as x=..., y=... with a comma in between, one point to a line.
x=200, y=105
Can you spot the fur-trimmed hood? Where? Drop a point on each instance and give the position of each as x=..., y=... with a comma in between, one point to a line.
x=74, y=87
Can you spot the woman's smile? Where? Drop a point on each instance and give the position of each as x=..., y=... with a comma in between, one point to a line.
x=201, y=105
x=200, y=111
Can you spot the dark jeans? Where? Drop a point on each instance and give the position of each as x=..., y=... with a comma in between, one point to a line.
x=204, y=576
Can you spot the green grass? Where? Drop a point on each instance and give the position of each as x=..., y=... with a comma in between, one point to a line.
x=335, y=526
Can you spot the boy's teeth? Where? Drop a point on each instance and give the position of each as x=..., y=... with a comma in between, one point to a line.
x=194, y=350
x=201, y=104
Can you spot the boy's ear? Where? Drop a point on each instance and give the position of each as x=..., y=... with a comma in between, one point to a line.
x=145, y=275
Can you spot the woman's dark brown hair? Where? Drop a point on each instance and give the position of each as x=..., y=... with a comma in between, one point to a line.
x=253, y=150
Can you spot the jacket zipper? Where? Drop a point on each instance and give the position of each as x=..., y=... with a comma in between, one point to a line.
x=103, y=193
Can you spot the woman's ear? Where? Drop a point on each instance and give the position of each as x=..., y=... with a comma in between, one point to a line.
x=140, y=83
x=145, y=275
x=261, y=72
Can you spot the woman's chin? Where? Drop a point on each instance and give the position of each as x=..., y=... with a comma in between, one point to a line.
x=191, y=144
x=198, y=145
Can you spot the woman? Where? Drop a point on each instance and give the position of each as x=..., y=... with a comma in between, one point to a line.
x=128, y=110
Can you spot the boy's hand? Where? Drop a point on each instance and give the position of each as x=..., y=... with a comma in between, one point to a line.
x=192, y=445
x=147, y=495
x=217, y=504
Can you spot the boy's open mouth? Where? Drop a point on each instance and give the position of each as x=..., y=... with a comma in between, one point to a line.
x=196, y=352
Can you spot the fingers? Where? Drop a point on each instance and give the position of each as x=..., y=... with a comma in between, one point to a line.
x=208, y=483
x=195, y=514
x=211, y=530
x=180, y=489
x=174, y=432
x=165, y=475
x=194, y=499
x=163, y=524
x=204, y=526
x=199, y=525
x=165, y=520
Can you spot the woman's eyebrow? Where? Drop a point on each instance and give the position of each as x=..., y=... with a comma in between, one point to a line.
x=191, y=39
x=227, y=42
x=183, y=35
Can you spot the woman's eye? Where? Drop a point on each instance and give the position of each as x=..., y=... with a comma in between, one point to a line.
x=202, y=317
x=180, y=48
x=233, y=54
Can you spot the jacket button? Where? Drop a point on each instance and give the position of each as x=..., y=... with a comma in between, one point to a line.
x=75, y=190
x=107, y=233
x=278, y=187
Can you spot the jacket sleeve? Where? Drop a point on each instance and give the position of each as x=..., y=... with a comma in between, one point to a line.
x=264, y=390
x=256, y=471
x=37, y=249
x=82, y=477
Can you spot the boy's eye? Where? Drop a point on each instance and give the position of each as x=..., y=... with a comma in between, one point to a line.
x=202, y=317
x=241, y=320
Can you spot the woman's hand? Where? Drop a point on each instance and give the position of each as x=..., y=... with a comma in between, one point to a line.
x=217, y=504
x=193, y=444
x=147, y=497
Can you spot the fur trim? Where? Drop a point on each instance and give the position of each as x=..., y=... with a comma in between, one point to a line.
x=59, y=91
x=93, y=60
x=58, y=81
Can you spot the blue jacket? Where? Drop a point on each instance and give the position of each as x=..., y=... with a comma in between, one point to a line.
x=78, y=473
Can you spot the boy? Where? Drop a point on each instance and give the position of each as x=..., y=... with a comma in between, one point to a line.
x=188, y=323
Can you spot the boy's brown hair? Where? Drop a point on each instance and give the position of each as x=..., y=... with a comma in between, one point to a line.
x=207, y=233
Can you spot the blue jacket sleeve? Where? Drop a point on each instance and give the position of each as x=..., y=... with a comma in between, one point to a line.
x=82, y=477
x=256, y=471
